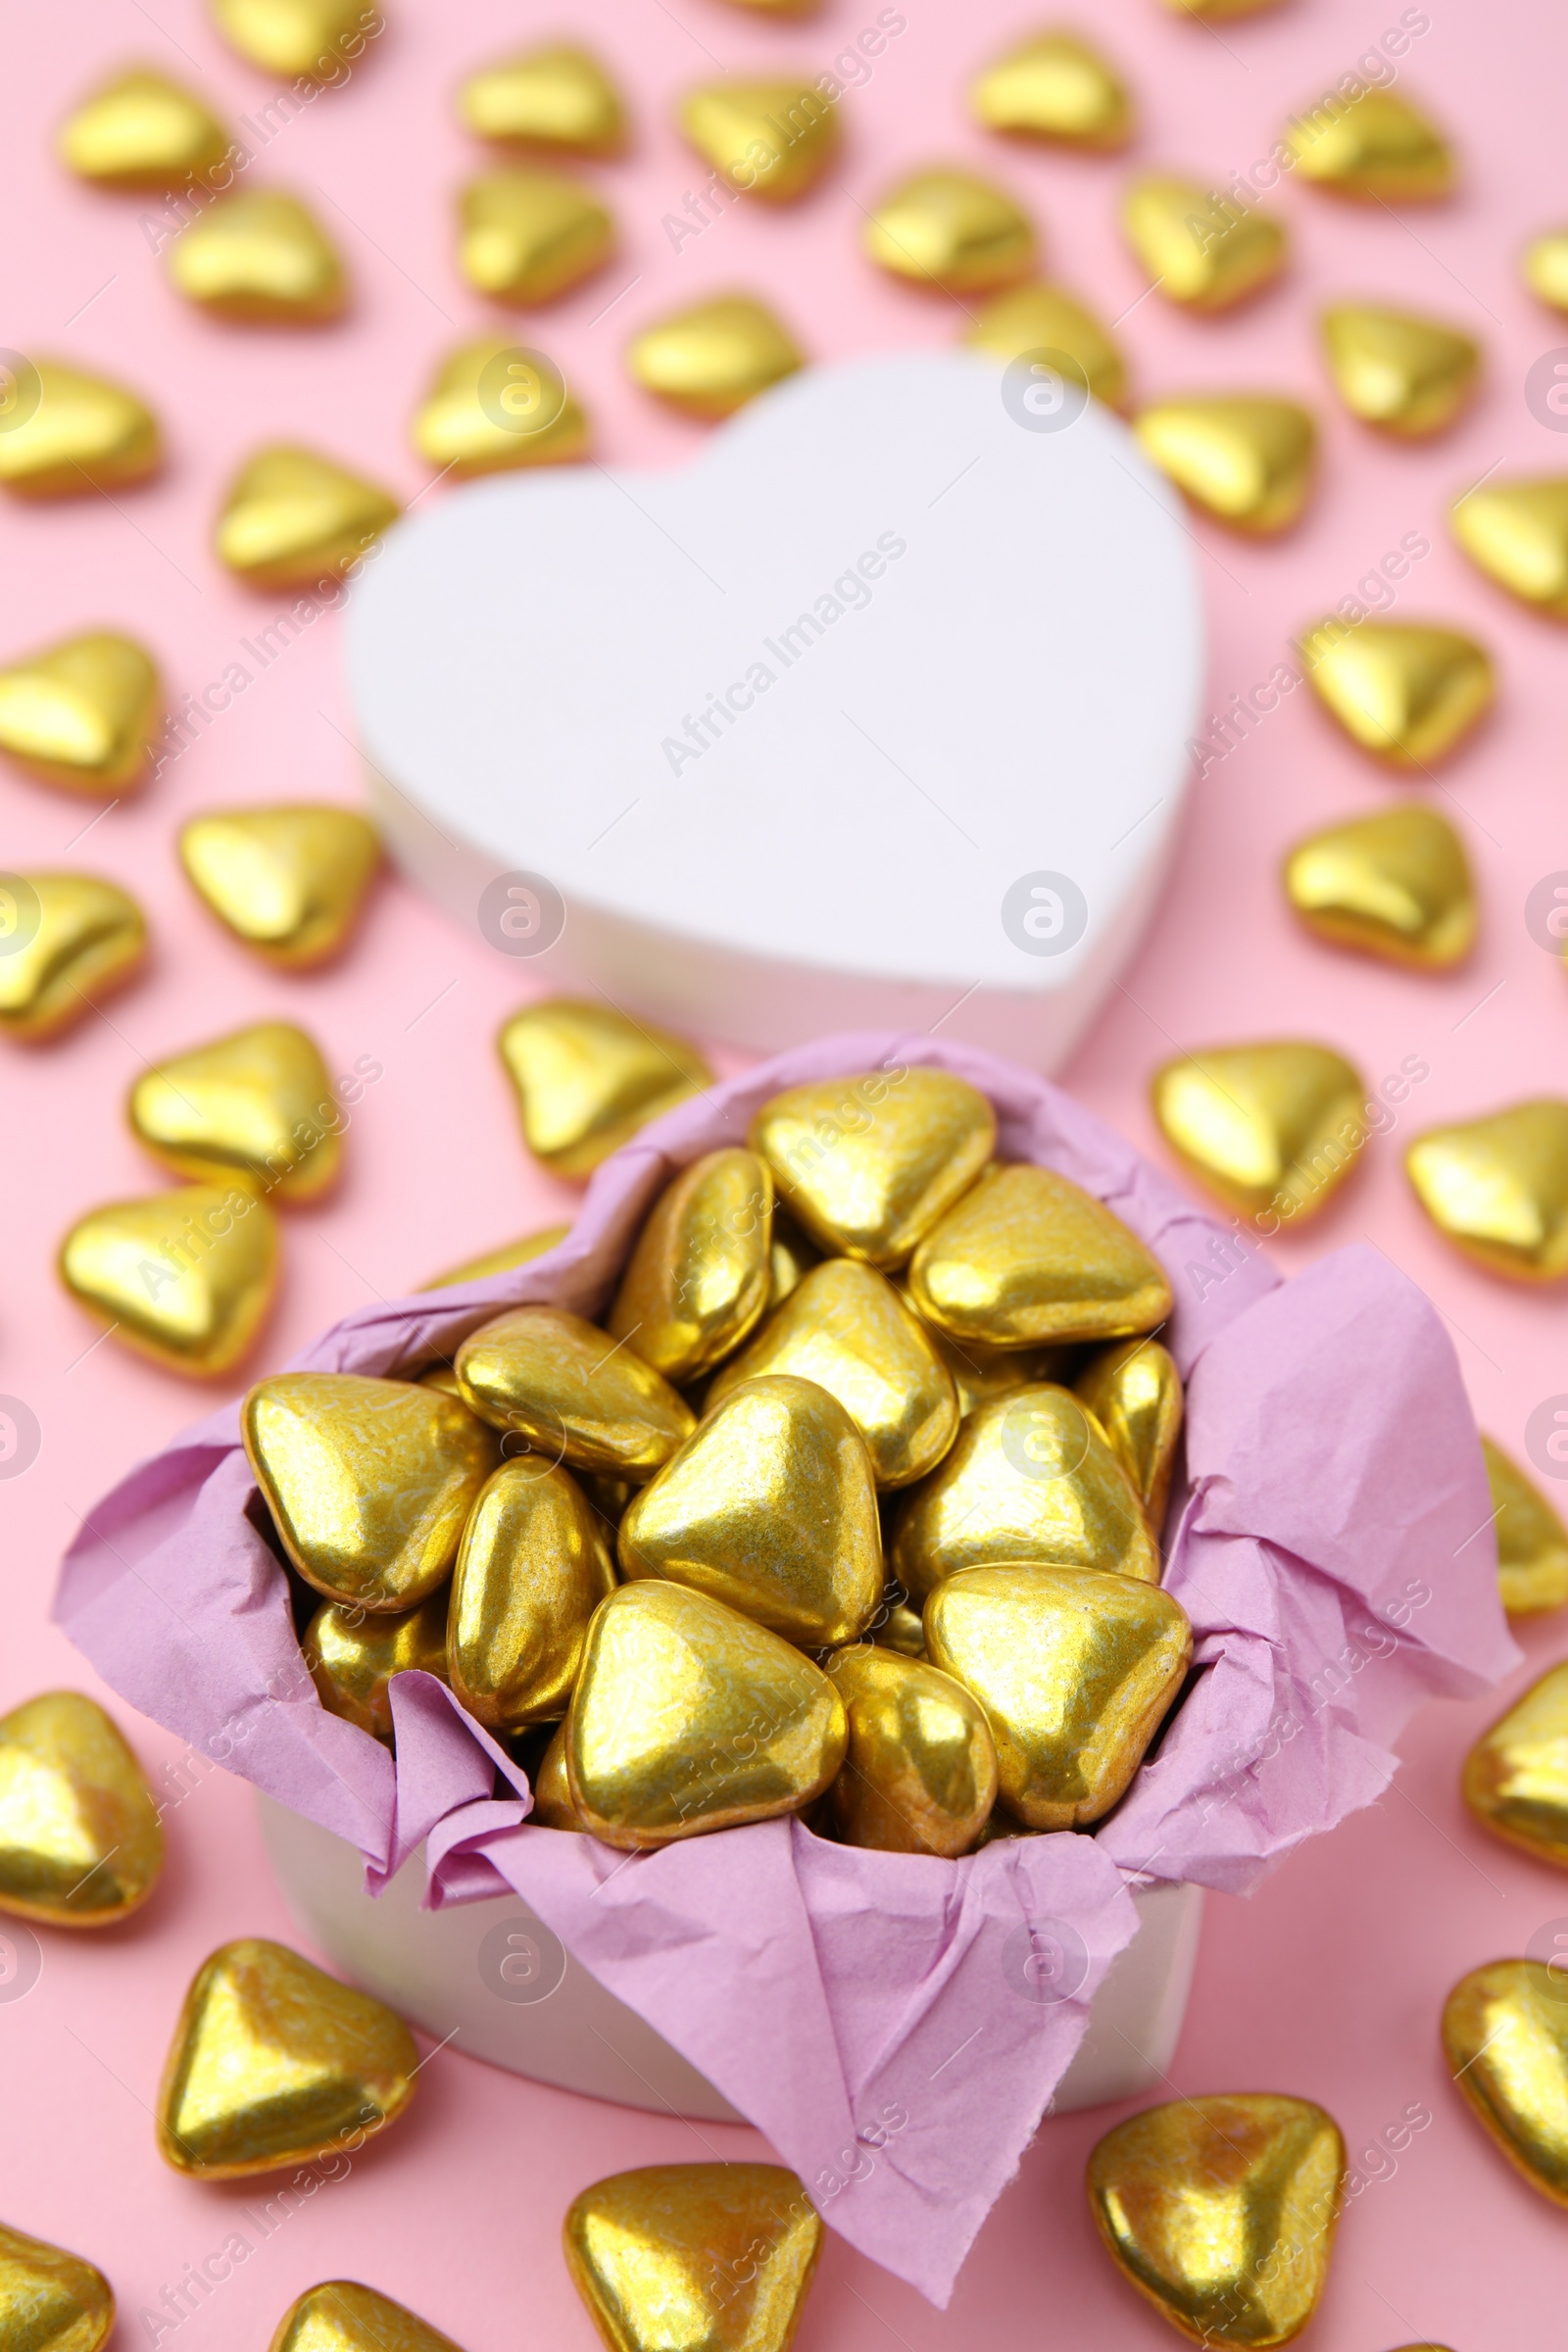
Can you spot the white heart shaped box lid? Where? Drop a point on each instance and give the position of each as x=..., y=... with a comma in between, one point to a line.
x=942, y=669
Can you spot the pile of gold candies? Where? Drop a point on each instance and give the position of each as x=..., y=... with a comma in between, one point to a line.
x=853, y=1502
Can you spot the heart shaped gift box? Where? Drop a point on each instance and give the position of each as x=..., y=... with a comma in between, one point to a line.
x=884, y=2017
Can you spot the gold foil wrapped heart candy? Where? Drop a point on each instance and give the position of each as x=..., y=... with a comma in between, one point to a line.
x=1028, y=1258
x=1246, y=458
x=1222, y=2211
x=140, y=130
x=574, y=1394
x=1377, y=147
x=1505, y=2038
x=316, y=38
x=919, y=1774
x=353, y=1656
x=533, y=1567
x=1075, y=1670
x=1517, y=533
x=952, y=232
x=289, y=881
x=51, y=2301
x=66, y=941
x=588, y=1077
x=716, y=2256
x=772, y=139
x=1515, y=1779
x=1412, y=376
x=494, y=405
x=527, y=237
x=1497, y=1187
x=845, y=1327
x=341, y=2316
x=81, y=713
x=369, y=1482
x=869, y=1163
x=1055, y=86
x=557, y=98
x=1029, y=1478
x=1135, y=1393
x=770, y=1507
x=1396, y=885
x=80, y=1841
x=700, y=1272
x=711, y=360
x=1044, y=317
x=260, y=258
x=186, y=1277
x=294, y=519
x=259, y=1102
x=1543, y=267
x=68, y=432
x=1200, y=250
x=1531, y=1541
x=689, y=1717
x=1405, y=690
x=274, y=2063
x=1273, y=1129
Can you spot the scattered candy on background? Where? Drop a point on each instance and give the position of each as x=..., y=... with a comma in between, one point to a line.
x=436, y=1156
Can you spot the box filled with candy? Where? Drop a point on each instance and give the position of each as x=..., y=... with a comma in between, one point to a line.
x=889, y=1547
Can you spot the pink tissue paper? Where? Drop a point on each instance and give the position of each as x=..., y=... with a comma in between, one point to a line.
x=1331, y=1540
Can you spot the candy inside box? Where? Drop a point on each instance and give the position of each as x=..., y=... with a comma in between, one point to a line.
x=897, y=2024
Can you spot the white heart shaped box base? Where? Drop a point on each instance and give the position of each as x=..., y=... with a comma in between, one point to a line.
x=492, y=1974
x=875, y=715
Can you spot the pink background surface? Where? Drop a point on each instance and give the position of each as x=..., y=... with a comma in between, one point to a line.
x=1329, y=1982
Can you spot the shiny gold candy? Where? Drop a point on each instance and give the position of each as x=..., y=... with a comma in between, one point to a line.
x=769, y=1506
x=1543, y=267
x=1075, y=1670
x=258, y=1102
x=1135, y=1393
x=353, y=1656
x=68, y=432
x=287, y=881
x=341, y=2316
x=1531, y=1541
x=1199, y=249
x=689, y=1717
x=81, y=713
x=1506, y=2038
x=1265, y=1126
x=1027, y=1258
x=290, y=37
x=1405, y=690
x=260, y=258
x=492, y=406
x=869, y=1163
x=898, y=1626
x=292, y=520
x=1031, y=1477
x=711, y=360
x=51, y=2301
x=186, y=1277
x=553, y=1804
x=1222, y=2211
x=1046, y=317
x=1378, y=146
x=1219, y=11
x=533, y=1568
x=1395, y=885
x=700, y=1274
x=1244, y=458
x=920, y=1773
x=792, y=1256
x=1517, y=533
x=772, y=139
x=846, y=1327
x=1497, y=1187
x=140, y=130
x=1055, y=86
x=588, y=1077
x=274, y=2063
x=558, y=98
x=1410, y=375
x=526, y=237
x=66, y=940
x=1515, y=1779
x=704, y=2257
x=951, y=231
x=80, y=1841
x=497, y=1261
x=574, y=1394
x=369, y=1482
